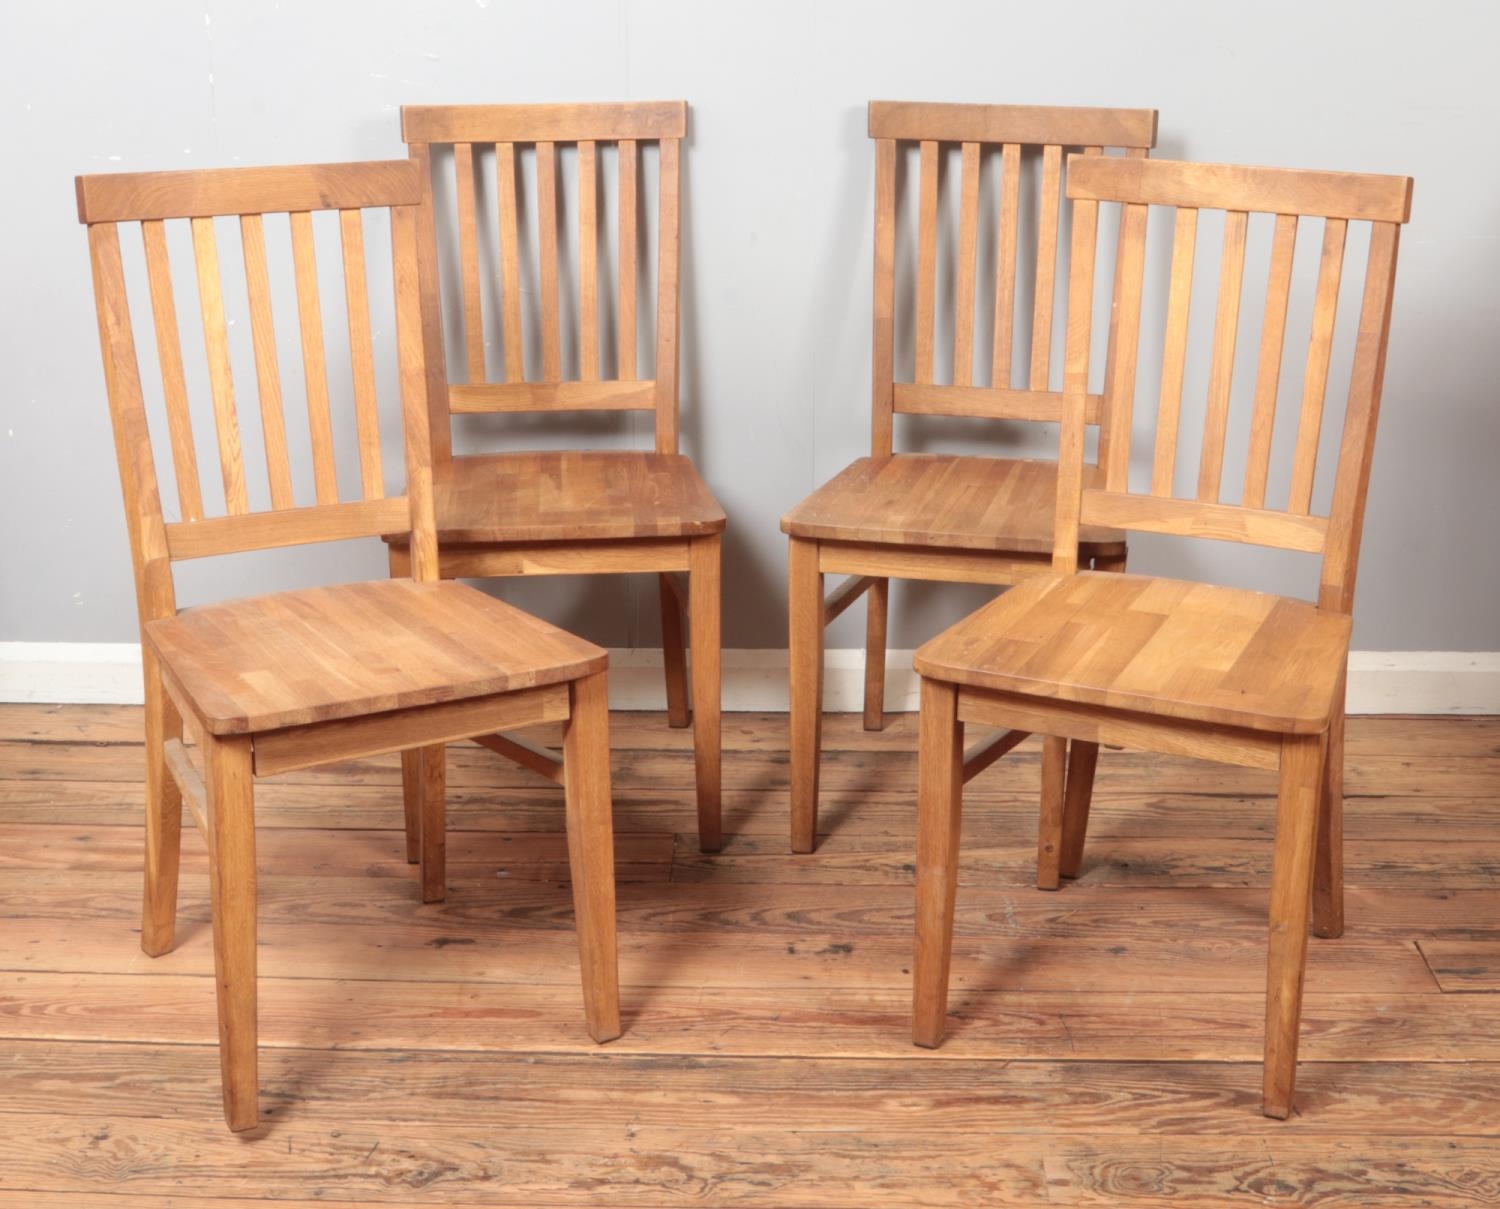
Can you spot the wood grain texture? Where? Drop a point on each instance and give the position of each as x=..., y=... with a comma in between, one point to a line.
x=324, y=653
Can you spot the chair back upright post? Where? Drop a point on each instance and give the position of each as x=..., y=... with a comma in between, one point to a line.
x=1005, y=130
x=150, y=201
x=1291, y=196
x=467, y=130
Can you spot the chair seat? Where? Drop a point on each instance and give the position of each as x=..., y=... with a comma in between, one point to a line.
x=347, y=651
x=952, y=501
x=572, y=495
x=1153, y=646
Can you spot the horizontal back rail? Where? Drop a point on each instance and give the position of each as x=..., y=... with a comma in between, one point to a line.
x=1039, y=125
x=607, y=122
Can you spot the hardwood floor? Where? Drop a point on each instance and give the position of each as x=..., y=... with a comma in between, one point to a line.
x=1105, y=1045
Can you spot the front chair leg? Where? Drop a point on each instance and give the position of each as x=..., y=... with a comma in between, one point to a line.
x=877, y=604
x=1328, y=873
x=1049, y=842
x=411, y=803
x=940, y=779
x=1291, y=894
x=231, y=869
x=805, y=718
x=163, y=816
x=591, y=857
x=1078, y=794
x=704, y=627
x=432, y=778
x=673, y=655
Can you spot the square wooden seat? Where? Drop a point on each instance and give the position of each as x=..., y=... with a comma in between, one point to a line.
x=350, y=650
x=1166, y=647
x=950, y=501
x=573, y=495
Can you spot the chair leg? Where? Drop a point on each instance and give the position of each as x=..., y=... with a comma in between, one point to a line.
x=163, y=817
x=591, y=856
x=877, y=602
x=1049, y=842
x=231, y=866
x=704, y=626
x=805, y=651
x=674, y=656
x=940, y=779
x=411, y=802
x=1291, y=900
x=1328, y=872
x=1078, y=795
x=432, y=778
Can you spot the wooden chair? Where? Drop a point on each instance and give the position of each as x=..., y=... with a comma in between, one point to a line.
x=964, y=519
x=273, y=683
x=573, y=512
x=1183, y=668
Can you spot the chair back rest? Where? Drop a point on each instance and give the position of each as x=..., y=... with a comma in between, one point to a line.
x=202, y=199
x=982, y=131
x=501, y=382
x=1336, y=200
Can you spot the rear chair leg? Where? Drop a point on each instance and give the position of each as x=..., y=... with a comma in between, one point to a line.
x=940, y=779
x=163, y=817
x=1083, y=758
x=231, y=869
x=591, y=856
x=411, y=802
x=674, y=655
x=1291, y=895
x=1050, y=825
x=432, y=777
x=704, y=626
x=1328, y=874
x=805, y=720
x=877, y=602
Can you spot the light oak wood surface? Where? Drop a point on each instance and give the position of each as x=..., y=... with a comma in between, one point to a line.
x=964, y=519
x=1177, y=667
x=550, y=513
x=282, y=682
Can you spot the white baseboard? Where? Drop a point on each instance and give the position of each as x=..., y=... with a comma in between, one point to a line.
x=1380, y=682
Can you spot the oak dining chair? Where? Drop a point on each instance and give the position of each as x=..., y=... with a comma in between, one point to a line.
x=570, y=512
x=1171, y=666
x=959, y=518
x=273, y=683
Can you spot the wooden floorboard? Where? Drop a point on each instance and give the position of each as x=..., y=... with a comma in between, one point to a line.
x=1105, y=1040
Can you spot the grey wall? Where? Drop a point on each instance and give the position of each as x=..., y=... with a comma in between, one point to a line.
x=777, y=243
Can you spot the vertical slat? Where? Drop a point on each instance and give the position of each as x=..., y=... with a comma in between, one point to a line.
x=413, y=386
x=669, y=227
x=1221, y=368
x=314, y=364
x=1315, y=380
x=361, y=354
x=510, y=261
x=1346, y=518
x=267, y=369
x=968, y=238
x=626, y=340
x=1005, y=263
x=546, y=216
x=1112, y=337
x=221, y=382
x=1046, y=268
x=927, y=262
x=1268, y=371
x=1129, y=281
x=1075, y=387
x=882, y=370
x=1174, y=354
x=588, y=261
x=174, y=386
x=439, y=423
x=468, y=260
